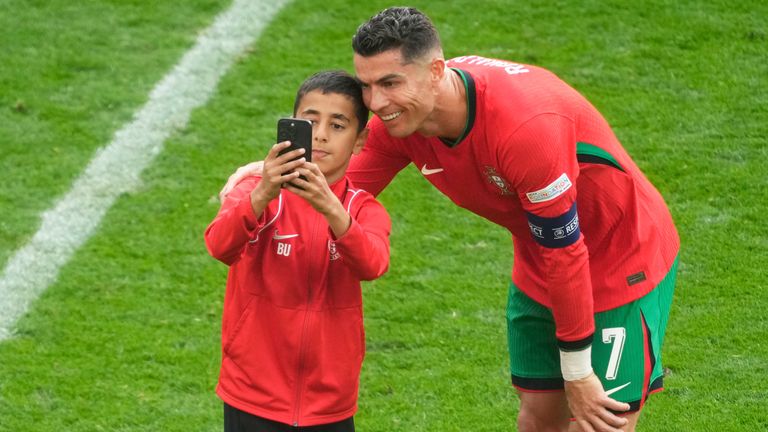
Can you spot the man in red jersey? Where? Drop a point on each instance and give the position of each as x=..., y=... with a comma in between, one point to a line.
x=595, y=247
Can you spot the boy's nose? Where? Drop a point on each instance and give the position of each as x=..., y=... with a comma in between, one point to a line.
x=320, y=134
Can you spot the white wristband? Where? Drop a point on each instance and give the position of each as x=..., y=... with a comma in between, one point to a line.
x=576, y=365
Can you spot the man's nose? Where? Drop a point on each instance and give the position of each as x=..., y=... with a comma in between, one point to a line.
x=378, y=100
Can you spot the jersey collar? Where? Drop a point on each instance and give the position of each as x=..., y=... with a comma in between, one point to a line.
x=469, y=86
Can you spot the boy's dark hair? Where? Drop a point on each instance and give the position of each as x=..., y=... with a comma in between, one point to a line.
x=339, y=82
x=396, y=27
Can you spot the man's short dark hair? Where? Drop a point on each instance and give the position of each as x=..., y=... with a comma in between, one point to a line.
x=397, y=27
x=336, y=82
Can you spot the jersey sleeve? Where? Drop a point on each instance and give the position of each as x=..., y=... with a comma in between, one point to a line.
x=378, y=162
x=540, y=161
x=235, y=224
x=365, y=245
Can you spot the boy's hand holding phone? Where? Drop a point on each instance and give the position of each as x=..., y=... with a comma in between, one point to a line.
x=288, y=164
x=294, y=141
x=293, y=148
x=273, y=174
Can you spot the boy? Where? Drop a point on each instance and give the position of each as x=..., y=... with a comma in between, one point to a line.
x=292, y=333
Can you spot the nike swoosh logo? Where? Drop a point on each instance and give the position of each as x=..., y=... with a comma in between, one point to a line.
x=283, y=236
x=429, y=171
x=615, y=389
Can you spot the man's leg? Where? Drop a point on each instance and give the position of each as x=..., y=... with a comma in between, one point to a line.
x=545, y=412
x=535, y=365
x=548, y=412
x=629, y=427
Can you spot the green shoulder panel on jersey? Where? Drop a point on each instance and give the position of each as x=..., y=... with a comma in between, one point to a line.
x=589, y=153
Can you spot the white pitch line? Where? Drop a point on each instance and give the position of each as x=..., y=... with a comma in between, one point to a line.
x=116, y=168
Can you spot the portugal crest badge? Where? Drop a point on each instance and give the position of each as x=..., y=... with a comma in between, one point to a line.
x=495, y=179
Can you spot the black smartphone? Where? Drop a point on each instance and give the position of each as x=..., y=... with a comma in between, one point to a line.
x=299, y=133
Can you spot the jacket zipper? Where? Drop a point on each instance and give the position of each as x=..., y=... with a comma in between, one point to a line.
x=303, y=341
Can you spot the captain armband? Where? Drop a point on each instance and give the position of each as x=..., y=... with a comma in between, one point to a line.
x=555, y=232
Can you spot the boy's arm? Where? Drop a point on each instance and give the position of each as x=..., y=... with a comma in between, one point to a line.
x=236, y=223
x=362, y=238
x=242, y=212
x=364, y=247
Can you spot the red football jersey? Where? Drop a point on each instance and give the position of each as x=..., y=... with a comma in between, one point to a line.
x=534, y=152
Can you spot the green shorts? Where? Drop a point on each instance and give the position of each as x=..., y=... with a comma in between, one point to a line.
x=626, y=350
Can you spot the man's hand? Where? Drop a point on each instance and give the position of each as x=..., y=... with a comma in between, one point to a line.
x=253, y=168
x=590, y=406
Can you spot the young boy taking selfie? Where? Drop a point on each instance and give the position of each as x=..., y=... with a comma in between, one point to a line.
x=297, y=248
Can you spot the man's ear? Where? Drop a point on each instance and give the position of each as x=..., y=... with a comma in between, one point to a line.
x=360, y=141
x=437, y=69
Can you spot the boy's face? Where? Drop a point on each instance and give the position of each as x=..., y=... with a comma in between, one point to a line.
x=334, y=131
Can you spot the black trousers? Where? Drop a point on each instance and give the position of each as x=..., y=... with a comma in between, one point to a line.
x=236, y=420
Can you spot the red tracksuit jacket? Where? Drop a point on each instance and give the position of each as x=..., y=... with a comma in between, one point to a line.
x=292, y=332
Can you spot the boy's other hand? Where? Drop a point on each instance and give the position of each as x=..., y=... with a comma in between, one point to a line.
x=314, y=189
x=318, y=194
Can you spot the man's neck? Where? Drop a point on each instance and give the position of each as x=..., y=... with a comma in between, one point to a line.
x=449, y=117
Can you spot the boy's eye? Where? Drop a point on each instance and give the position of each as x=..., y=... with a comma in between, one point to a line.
x=337, y=126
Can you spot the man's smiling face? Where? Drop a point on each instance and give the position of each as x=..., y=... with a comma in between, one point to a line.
x=401, y=94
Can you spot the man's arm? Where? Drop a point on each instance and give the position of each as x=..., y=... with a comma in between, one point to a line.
x=541, y=163
x=379, y=161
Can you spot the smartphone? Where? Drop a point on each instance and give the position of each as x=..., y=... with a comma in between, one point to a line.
x=299, y=133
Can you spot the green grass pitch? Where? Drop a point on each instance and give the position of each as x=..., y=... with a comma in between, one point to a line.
x=127, y=339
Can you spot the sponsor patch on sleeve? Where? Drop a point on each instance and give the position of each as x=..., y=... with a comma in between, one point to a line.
x=552, y=191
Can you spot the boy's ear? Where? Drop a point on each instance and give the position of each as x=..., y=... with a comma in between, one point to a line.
x=360, y=141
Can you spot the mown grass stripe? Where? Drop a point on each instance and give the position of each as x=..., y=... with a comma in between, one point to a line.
x=116, y=168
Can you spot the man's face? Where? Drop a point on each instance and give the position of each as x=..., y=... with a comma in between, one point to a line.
x=402, y=95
